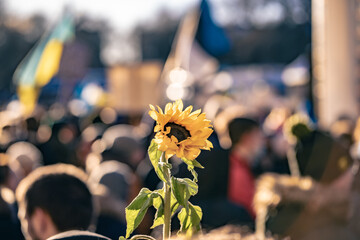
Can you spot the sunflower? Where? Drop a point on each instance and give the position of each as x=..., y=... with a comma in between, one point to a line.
x=181, y=133
x=296, y=127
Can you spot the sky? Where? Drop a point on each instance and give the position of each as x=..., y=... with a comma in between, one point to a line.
x=121, y=14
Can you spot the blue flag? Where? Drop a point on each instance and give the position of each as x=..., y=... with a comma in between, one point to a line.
x=210, y=36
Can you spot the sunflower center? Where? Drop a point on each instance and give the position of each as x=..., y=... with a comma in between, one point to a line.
x=178, y=131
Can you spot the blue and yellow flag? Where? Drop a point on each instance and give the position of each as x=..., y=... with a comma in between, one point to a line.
x=42, y=63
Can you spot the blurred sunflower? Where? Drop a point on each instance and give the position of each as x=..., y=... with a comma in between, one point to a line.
x=179, y=132
x=296, y=127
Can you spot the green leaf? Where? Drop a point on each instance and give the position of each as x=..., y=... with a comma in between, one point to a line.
x=135, y=212
x=154, y=155
x=159, y=205
x=192, y=163
x=183, y=189
x=174, y=205
x=190, y=219
x=191, y=167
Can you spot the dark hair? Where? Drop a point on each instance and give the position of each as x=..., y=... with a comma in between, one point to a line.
x=4, y=174
x=62, y=193
x=239, y=126
x=4, y=168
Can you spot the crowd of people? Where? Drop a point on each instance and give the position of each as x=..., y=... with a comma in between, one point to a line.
x=63, y=175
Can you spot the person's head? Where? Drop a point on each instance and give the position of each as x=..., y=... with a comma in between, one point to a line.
x=246, y=135
x=125, y=149
x=24, y=157
x=78, y=235
x=54, y=199
x=117, y=177
x=8, y=178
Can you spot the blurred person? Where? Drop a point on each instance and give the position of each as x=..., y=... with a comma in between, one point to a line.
x=354, y=222
x=8, y=178
x=9, y=224
x=24, y=157
x=54, y=199
x=318, y=154
x=7, y=136
x=125, y=149
x=61, y=147
x=328, y=163
x=32, y=125
x=342, y=130
x=129, y=150
x=279, y=192
x=355, y=148
x=118, y=179
x=274, y=158
x=276, y=143
x=228, y=232
x=11, y=129
x=78, y=235
x=89, y=135
x=247, y=146
x=278, y=148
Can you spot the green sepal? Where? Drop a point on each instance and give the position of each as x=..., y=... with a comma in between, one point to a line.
x=122, y=238
x=155, y=155
x=135, y=212
x=190, y=219
x=183, y=189
x=191, y=167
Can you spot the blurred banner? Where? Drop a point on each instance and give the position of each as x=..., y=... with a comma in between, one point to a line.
x=132, y=88
x=42, y=63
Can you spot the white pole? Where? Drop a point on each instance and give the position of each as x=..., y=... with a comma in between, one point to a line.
x=334, y=59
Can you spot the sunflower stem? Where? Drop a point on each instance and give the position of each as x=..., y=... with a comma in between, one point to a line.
x=167, y=198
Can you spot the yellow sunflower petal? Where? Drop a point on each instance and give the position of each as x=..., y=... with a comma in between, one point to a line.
x=159, y=110
x=194, y=114
x=191, y=153
x=167, y=131
x=157, y=128
x=163, y=119
x=189, y=109
x=153, y=115
x=208, y=145
x=174, y=139
x=168, y=107
x=185, y=113
x=178, y=105
x=180, y=152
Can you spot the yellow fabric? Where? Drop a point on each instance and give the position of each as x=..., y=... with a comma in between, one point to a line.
x=49, y=62
x=28, y=97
